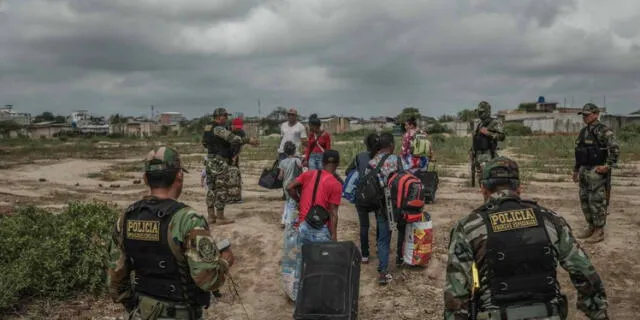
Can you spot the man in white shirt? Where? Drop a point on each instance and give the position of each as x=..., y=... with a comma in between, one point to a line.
x=293, y=131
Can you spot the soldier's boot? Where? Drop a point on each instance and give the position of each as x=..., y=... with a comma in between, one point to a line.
x=222, y=219
x=585, y=233
x=598, y=235
x=211, y=219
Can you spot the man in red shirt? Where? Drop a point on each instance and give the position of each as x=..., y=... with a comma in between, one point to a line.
x=328, y=195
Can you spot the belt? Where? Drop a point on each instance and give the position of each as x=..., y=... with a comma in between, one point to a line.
x=535, y=311
x=150, y=307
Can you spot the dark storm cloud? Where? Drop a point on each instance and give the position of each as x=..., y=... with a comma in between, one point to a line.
x=341, y=57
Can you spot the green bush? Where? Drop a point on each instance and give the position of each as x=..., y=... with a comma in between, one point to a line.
x=630, y=132
x=54, y=256
x=516, y=129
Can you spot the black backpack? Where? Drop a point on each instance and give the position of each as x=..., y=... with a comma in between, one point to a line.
x=369, y=191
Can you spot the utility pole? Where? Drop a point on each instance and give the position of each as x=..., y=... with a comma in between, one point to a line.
x=259, y=119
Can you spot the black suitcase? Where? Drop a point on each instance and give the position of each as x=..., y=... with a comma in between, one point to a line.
x=329, y=285
x=430, y=182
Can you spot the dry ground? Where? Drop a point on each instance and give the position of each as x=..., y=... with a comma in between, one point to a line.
x=257, y=238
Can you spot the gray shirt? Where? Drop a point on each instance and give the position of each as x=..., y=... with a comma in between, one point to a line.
x=292, y=169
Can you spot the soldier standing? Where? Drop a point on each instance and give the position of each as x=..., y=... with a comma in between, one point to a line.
x=596, y=153
x=169, y=248
x=220, y=143
x=515, y=246
x=486, y=136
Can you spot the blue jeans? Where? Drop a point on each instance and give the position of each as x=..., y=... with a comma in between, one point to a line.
x=308, y=234
x=383, y=240
x=363, y=216
x=315, y=161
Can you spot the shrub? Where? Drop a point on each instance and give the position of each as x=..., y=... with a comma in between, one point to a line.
x=54, y=256
x=630, y=132
x=516, y=129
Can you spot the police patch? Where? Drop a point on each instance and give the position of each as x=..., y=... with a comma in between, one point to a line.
x=143, y=230
x=207, y=250
x=511, y=220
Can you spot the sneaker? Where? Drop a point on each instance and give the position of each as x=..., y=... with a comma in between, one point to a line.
x=384, y=278
x=365, y=260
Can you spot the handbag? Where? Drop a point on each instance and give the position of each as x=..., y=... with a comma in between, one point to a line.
x=317, y=215
x=269, y=177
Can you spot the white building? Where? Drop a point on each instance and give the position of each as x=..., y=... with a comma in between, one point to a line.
x=8, y=113
x=170, y=118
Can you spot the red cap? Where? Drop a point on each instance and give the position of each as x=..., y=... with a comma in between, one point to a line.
x=237, y=123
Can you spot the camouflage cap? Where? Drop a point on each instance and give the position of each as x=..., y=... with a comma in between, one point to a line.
x=501, y=168
x=484, y=106
x=220, y=112
x=163, y=158
x=589, y=108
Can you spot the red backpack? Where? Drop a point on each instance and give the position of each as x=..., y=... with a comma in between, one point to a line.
x=407, y=195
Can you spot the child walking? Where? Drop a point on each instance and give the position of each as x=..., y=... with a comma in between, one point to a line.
x=290, y=169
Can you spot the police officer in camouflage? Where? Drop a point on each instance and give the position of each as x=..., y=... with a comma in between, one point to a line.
x=596, y=152
x=169, y=248
x=486, y=136
x=515, y=245
x=220, y=143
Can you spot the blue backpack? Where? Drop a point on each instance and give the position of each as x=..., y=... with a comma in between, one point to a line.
x=349, y=186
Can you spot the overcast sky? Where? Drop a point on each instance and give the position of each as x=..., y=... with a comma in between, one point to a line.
x=351, y=57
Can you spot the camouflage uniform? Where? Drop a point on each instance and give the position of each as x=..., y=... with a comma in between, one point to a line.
x=593, y=184
x=471, y=242
x=495, y=134
x=187, y=240
x=219, y=142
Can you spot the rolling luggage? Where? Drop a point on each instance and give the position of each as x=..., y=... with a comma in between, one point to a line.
x=329, y=281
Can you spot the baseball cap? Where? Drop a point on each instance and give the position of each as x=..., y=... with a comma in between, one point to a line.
x=331, y=156
x=501, y=168
x=589, y=108
x=220, y=112
x=293, y=111
x=163, y=158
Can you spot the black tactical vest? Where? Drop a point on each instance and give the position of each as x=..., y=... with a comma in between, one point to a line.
x=158, y=273
x=588, y=150
x=519, y=262
x=482, y=142
x=217, y=145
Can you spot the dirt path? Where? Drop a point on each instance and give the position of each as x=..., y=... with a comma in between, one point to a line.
x=257, y=240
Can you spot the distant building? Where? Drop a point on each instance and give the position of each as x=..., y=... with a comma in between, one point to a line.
x=46, y=130
x=7, y=113
x=170, y=118
x=458, y=128
x=333, y=124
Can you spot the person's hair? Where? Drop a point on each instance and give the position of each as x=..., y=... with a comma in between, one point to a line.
x=370, y=141
x=495, y=185
x=383, y=141
x=412, y=121
x=289, y=148
x=314, y=120
x=161, y=178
